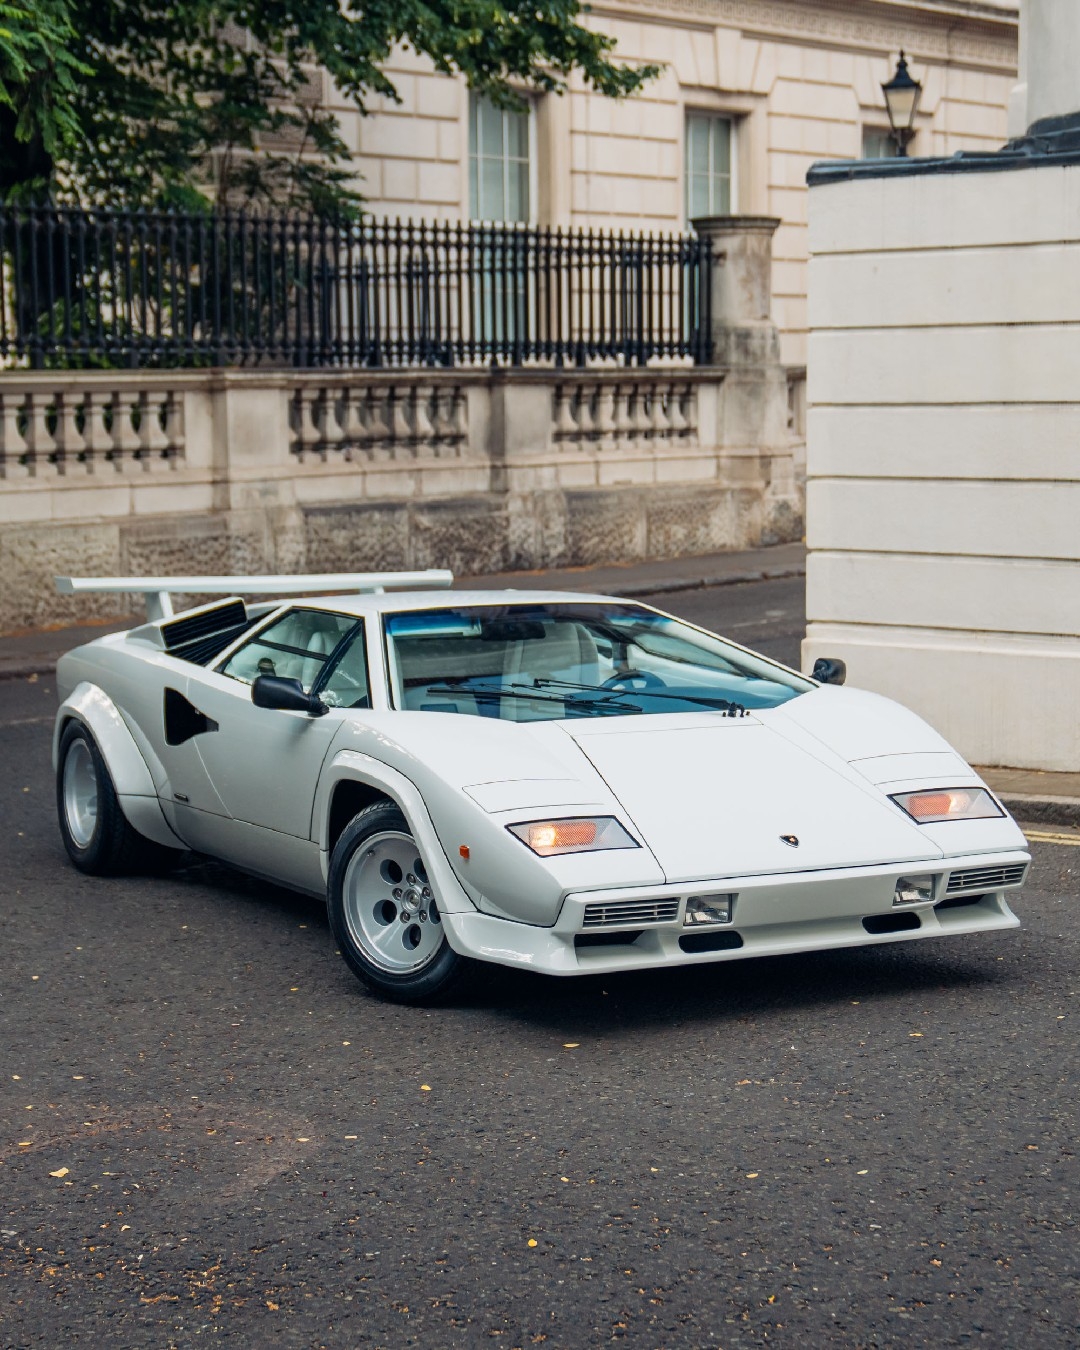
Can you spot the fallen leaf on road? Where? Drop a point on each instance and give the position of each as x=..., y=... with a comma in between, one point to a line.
x=60, y=1172
x=424, y=1087
x=532, y=1242
x=752, y=1175
x=571, y=1045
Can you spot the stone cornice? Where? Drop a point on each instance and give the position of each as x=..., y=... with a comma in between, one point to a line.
x=945, y=30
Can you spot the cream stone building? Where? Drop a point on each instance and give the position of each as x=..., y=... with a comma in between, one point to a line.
x=491, y=458
x=752, y=92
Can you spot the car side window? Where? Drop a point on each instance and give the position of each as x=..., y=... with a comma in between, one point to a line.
x=344, y=684
x=297, y=647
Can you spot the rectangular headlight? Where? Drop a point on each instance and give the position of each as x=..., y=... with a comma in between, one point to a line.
x=934, y=804
x=707, y=909
x=914, y=890
x=579, y=834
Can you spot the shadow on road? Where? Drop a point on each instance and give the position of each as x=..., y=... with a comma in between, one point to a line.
x=717, y=993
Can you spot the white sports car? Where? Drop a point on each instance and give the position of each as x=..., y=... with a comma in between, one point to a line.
x=565, y=783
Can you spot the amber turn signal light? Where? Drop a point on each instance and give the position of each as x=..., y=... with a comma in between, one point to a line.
x=936, y=804
x=576, y=835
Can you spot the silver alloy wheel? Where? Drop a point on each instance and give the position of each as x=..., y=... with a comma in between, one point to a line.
x=80, y=793
x=389, y=907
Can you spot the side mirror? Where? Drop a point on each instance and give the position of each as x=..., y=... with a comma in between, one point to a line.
x=829, y=670
x=274, y=691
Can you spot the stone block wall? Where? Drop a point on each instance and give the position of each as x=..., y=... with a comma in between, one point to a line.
x=943, y=453
x=112, y=473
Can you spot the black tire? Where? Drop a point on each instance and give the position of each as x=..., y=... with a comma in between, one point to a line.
x=439, y=969
x=100, y=840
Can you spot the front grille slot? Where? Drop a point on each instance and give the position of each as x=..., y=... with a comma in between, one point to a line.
x=986, y=878
x=624, y=939
x=619, y=912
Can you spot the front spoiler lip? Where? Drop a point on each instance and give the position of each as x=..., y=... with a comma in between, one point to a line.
x=573, y=907
x=826, y=911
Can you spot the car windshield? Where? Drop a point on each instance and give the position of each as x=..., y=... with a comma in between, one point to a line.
x=528, y=662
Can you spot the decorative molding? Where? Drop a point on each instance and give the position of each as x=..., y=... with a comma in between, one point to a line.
x=930, y=33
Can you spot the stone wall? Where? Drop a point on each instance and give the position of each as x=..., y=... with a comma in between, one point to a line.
x=110, y=473
x=943, y=463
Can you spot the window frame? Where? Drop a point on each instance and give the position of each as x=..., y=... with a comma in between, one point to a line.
x=712, y=116
x=875, y=129
x=474, y=103
x=331, y=660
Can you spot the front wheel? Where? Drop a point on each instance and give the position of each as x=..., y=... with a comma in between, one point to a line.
x=384, y=913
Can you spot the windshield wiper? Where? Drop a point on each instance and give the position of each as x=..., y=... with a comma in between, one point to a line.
x=724, y=704
x=463, y=685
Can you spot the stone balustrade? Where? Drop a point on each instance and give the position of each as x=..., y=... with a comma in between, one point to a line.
x=480, y=470
x=624, y=410
x=122, y=425
x=381, y=419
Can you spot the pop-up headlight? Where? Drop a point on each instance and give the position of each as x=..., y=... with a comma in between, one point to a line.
x=581, y=834
x=934, y=804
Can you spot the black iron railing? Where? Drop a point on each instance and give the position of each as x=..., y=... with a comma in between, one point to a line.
x=86, y=287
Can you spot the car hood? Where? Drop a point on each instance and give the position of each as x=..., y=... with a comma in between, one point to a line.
x=713, y=797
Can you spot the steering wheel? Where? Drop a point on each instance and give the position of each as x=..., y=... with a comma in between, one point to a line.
x=645, y=677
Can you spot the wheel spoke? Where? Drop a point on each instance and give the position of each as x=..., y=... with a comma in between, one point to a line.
x=384, y=880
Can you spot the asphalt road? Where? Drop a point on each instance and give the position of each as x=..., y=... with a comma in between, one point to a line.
x=208, y=1134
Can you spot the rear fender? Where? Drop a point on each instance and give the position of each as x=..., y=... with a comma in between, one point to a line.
x=89, y=704
x=350, y=764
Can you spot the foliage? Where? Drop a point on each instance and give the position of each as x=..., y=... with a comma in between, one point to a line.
x=39, y=88
x=182, y=101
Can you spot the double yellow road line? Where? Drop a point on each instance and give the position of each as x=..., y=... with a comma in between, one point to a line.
x=1052, y=837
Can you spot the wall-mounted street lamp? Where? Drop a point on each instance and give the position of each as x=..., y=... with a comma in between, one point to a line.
x=901, y=100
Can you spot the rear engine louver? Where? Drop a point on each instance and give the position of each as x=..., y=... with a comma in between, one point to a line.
x=199, y=635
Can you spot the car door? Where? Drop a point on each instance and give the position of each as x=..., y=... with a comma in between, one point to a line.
x=263, y=764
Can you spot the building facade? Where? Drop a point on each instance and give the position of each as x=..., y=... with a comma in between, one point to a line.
x=752, y=92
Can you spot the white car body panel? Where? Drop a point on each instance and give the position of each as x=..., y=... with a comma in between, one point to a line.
x=725, y=793
x=134, y=783
x=705, y=796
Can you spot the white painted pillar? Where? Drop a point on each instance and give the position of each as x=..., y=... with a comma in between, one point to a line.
x=1049, y=64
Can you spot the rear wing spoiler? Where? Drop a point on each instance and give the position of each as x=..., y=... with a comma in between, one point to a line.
x=158, y=591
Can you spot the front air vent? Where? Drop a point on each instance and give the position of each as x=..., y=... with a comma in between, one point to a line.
x=986, y=878
x=903, y=922
x=727, y=941
x=625, y=939
x=617, y=913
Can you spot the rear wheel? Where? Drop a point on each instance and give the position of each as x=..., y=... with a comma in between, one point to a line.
x=95, y=831
x=384, y=913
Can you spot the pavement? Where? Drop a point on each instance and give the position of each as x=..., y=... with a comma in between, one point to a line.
x=1033, y=796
